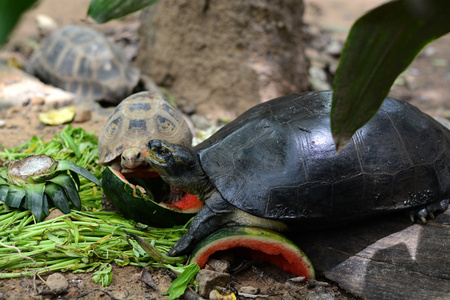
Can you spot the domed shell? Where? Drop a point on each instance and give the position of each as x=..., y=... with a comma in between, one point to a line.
x=138, y=119
x=83, y=61
x=278, y=161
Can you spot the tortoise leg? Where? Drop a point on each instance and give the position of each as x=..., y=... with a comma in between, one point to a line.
x=175, y=194
x=213, y=215
x=430, y=210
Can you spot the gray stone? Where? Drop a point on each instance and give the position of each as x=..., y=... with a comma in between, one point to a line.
x=207, y=280
x=217, y=265
x=57, y=283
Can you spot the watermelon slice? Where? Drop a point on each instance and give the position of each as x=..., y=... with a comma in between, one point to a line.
x=136, y=201
x=267, y=245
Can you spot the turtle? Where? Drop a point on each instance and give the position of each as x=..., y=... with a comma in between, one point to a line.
x=83, y=61
x=137, y=119
x=276, y=167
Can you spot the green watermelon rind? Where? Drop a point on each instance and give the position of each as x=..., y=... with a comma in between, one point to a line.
x=135, y=205
x=241, y=236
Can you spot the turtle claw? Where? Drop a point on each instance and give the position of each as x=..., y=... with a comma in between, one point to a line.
x=429, y=211
x=182, y=246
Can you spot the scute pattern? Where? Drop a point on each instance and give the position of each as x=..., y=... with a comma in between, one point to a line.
x=278, y=161
x=83, y=61
x=138, y=119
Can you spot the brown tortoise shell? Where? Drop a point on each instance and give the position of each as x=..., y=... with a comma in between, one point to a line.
x=83, y=61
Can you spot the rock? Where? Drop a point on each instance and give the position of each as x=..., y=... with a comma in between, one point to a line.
x=249, y=290
x=37, y=100
x=45, y=24
x=57, y=283
x=54, y=214
x=82, y=115
x=200, y=122
x=2, y=123
x=217, y=265
x=334, y=48
x=227, y=72
x=208, y=280
x=321, y=294
x=213, y=295
x=318, y=79
x=17, y=88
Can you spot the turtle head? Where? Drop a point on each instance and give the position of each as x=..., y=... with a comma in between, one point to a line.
x=179, y=166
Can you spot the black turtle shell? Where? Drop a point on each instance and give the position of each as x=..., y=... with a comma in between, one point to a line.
x=278, y=161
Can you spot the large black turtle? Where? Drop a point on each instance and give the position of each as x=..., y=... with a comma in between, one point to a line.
x=276, y=166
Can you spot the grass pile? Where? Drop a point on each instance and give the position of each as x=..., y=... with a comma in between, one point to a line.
x=81, y=241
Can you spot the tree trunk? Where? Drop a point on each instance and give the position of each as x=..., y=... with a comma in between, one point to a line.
x=223, y=57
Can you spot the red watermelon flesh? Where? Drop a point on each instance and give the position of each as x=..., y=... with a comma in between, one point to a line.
x=268, y=246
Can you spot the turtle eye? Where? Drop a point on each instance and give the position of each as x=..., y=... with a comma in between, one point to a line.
x=164, y=151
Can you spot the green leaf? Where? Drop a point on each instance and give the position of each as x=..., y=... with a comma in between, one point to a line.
x=103, y=275
x=68, y=165
x=380, y=45
x=34, y=200
x=46, y=204
x=68, y=140
x=58, y=196
x=10, y=12
x=64, y=181
x=3, y=192
x=105, y=10
x=15, y=196
x=179, y=285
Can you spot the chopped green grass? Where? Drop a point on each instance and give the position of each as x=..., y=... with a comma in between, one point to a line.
x=81, y=241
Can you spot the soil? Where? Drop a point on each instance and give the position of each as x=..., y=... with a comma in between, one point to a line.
x=424, y=84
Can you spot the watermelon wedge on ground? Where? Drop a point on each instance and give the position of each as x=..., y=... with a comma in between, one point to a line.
x=267, y=245
x=137, y=201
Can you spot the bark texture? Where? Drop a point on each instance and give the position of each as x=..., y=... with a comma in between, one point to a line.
x=224, y=56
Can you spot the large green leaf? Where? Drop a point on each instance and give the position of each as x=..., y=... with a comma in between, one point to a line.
x=66, y=182
x=380, y=45
x=15, y=196
x=73, y=167
x=58, y=197
x=34, y=200
x=10, y=12
x=105, y=10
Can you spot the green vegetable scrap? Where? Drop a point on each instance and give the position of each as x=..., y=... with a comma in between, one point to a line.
x=103, y=275
x=180, y=284
x=38, y=183
x=85, y=240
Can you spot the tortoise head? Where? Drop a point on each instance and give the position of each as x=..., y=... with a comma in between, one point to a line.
x=132, y=158
x=179, y=166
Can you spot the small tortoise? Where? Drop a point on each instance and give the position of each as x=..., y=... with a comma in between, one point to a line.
x=83, y=61
x=136, y=120
x=276, y=166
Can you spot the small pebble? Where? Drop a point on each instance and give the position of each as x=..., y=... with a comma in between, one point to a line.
x=54, y=214
x=222, y=266
x=249, y=290
x=334, y=48
x=2, y=123
x=82, y=115
x=57, y=283
x=37, y=100
x=200, y=122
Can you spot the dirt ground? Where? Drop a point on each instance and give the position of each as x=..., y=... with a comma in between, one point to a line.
x=424, y=84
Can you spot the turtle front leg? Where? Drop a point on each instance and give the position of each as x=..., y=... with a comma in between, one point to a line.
x=213, y=215
x=216, y=214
